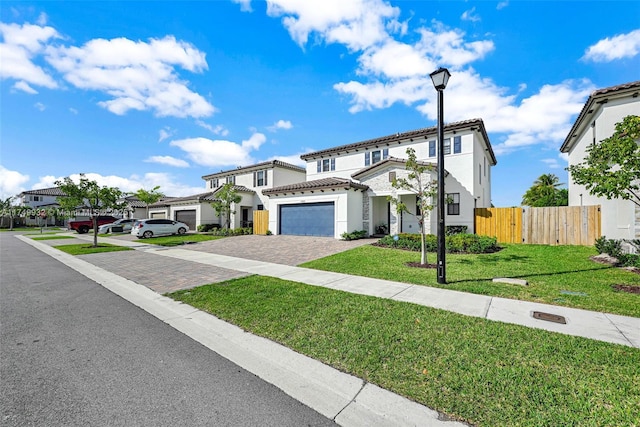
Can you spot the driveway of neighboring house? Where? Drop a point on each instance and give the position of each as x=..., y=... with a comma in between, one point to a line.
x=288, y=250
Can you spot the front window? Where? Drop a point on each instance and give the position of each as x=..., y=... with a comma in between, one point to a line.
x=447, y=146
x=373, y=157
x=453, y=204
x=260, y=178
x=231, y=179
x=213, y=183
x=326, y=165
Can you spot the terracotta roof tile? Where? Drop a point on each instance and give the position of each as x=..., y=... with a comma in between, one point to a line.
x=318, y=184
x=257, y=166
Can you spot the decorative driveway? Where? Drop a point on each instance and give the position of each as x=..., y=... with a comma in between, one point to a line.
x=288, y=250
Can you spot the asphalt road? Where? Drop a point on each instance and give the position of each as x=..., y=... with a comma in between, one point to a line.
x=72, y=353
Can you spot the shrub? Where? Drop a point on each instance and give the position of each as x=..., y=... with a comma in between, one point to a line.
x=354, y=235
x=611, y=247
x=231, y=231
x=457, y=243
x=450, y=230
x=204, y=228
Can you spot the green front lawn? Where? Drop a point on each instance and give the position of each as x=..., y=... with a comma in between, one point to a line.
x=561, y=275
x=87, y=248
x=51, y=237
x=486, y=373
x=177, y=240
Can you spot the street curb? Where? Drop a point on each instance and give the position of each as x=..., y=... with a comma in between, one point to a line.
x=348, y=400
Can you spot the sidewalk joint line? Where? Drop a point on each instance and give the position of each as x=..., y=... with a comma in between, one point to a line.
x=409, y=286
x=619, y=330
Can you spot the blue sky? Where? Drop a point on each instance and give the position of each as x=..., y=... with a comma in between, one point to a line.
x=139, y=94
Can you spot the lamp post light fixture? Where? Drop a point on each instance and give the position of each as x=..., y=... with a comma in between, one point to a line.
x=440, y=78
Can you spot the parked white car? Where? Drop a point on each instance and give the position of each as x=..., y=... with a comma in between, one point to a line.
x=119, y=226
x=146, y=228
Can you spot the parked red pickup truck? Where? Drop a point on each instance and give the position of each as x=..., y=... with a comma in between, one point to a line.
x=84, y=226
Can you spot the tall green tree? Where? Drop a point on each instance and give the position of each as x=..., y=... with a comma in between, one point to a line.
x=611, y=168
x=418, y=181
x=545, y=192
x=226, y=198
x=88, y=194
x=149, y=197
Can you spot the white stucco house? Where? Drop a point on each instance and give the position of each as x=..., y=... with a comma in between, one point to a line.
x=248, y=181
x=36, y=200
x=620, y=219
x=346, y=187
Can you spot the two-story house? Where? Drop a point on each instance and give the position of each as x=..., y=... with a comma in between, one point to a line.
x=620, y=219
x=248, y=181
x=347, y=187
x=36, y=200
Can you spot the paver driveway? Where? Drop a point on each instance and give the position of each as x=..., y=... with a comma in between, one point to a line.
x=288, y=250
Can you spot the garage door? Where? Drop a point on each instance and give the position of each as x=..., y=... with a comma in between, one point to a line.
x=188, y=217
x=158, y=215
x=308, y=219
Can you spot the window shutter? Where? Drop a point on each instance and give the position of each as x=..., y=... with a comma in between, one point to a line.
x=385, y=153
x=255, y=179
x=367, y=159
x=319, y=164
x=333, y=164
x=457, y=144
x=432, y=148
x=265, y=177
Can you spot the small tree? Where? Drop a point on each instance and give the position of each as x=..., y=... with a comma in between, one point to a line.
x=7, y=208
x=88, y=194
x=419, y=182
x=149, y=197
x=545, y=192
x=611, y=168
x=226, y=197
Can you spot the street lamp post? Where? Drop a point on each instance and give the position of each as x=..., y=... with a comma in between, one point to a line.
x=440, y=78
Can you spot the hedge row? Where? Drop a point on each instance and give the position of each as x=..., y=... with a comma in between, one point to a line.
x=456, y=243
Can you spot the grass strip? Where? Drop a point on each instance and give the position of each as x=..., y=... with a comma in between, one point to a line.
x=52, y=237
x=87, y=248
x=550, y=270
x=178, y=240
x=486, y=373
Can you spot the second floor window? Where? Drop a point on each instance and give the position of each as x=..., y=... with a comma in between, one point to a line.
x=457, y=144
x=432, y=148
x=213, y=183
x=260, y=178
x=373, y=157
x=326, y=165
x=231, y=179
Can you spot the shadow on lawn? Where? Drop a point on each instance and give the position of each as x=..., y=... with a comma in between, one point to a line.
x=525, y=276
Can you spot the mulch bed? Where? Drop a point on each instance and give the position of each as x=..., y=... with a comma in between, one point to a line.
x=632, y=289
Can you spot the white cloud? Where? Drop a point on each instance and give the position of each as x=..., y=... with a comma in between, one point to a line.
x=165, y=133
x=208, y=152
x=167, y=182
x=356, y=24
x=245, y=5
x=40, y=106
x=20, y=45
x=11, y=182
x=168, y=160
x=24, y=86
x=73, y=111
x=470, y=15
x=138, y=75
x=501, y=5
x=217, y=129
x=551, y=163
x=280, y=124
x=617, y=47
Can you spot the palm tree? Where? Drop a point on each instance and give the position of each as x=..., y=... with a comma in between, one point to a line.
x=544, y=192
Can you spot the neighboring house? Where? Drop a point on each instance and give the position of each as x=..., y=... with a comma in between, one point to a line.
x=36, y=200
x=248, y=181
x=620, y=219
x=138, y=209
x=346, y=187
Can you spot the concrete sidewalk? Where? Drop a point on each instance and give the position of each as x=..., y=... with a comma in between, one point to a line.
x=348, y=400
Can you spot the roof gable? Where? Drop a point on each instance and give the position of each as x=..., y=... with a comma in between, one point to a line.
x=258, y=166
x=323, y=184
x=597, y=100
x=389, y=163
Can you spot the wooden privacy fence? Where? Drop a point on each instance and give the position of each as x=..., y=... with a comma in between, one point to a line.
x=260, y=222
x=557, y=225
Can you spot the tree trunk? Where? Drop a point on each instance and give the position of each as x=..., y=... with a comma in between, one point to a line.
x=423, y=241
x=95, y=231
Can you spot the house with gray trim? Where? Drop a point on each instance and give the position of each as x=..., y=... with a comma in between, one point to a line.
x=347, y=186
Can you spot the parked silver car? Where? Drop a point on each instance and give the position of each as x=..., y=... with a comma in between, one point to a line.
x=147, y=228
x=119, y=226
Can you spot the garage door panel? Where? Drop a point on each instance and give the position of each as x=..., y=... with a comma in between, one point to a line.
x=188, y=217
x=307, y=219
